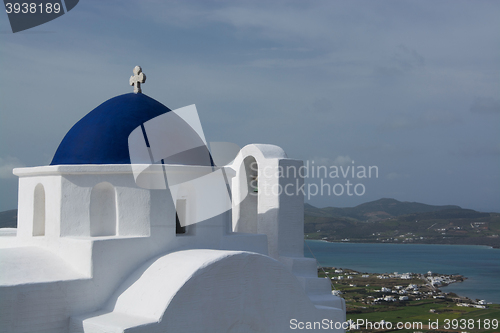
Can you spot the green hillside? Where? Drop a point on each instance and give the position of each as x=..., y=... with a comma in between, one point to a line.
x=376, y=210
x=392, y=221
x=8, y=219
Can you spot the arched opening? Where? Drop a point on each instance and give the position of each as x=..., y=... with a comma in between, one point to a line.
x=39, y=211
x=103, y=210
x=248, y=213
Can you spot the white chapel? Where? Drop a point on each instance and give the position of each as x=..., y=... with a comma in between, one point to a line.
x=141, y=225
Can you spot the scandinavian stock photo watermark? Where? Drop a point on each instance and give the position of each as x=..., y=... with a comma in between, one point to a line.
x=319, y=180
x=382, y=325
x=215, y=168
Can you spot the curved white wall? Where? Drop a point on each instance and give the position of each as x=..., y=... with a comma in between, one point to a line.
x=207, y=291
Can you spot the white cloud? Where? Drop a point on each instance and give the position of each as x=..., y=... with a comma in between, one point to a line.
x=342, y=160
x=7, y=164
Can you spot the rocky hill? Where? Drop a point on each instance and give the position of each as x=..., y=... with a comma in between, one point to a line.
x=393, y=221
x=8, y=219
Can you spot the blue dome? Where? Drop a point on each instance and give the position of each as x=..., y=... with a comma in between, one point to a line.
x=101, y=137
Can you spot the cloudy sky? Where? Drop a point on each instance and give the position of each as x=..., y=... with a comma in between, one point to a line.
x=412, y=87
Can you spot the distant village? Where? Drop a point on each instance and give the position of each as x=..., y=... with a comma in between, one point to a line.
x=376, y=289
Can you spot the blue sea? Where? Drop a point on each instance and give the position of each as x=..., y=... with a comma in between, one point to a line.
x=480, y=264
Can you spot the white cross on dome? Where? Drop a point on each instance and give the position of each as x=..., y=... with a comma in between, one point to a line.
x=136, y=79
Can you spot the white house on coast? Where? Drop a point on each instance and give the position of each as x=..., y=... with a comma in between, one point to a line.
x=136, y=226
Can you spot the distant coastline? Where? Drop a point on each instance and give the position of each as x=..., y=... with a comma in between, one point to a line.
x=478, y=263
x=450, y=278
x=402, y=243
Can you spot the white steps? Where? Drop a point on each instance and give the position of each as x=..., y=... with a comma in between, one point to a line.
x=108, y=322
